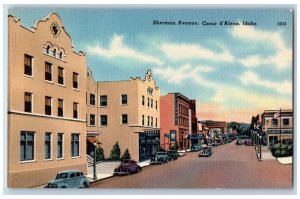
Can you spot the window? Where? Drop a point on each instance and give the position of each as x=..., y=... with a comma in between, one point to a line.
x=151, y=121
x=124, y=99
x=60, y=108
x=27, y=65
x=148, y=102
x=92, y=120
x=274, y=122
x=156, y=104
x=48, y=71
x=286, y=121
x=48, y=146
x=143, y=100
x=151, y=103
x=103, y=100
x=60, y=76
x=75, y=110
x=92, y=99
x=28, y=102
x=54, y=53
x=143, y=120
x=48, y=49
x=75, y=80
x=74, y=145
x=48, y=105
x=148, y=121
x=60, y=140
x=27, y=146
x=103, y=120
x=60, y=55
x=155, y=122
x=124, y=119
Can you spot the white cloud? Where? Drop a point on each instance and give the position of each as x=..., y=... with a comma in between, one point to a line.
x=284, y=87
x=184, y=72
x=191, y=51
x=281, y=59
x=118, y=49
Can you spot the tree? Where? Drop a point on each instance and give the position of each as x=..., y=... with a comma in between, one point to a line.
x=100, y=154
x=115, y=152
x=126, y=155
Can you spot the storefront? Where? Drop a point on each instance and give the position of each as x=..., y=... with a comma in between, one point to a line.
x=148, y=144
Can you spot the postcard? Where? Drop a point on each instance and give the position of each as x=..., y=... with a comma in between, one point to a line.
x=165, y=98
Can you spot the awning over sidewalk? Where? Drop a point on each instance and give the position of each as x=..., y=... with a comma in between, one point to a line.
x=93, y=140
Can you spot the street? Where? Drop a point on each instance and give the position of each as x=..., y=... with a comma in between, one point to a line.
x=230, y=166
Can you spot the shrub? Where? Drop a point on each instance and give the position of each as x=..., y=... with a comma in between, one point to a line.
x=115, y=152
x=99, y=154
x=282, y=150
x=126, y=155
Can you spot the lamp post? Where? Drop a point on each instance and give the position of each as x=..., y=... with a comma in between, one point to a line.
x=95, y=157
x=260, y=147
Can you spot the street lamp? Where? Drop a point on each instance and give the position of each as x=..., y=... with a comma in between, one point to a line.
x=260, y=147
x=95, y=149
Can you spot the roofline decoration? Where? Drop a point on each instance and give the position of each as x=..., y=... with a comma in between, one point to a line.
x=148, y=77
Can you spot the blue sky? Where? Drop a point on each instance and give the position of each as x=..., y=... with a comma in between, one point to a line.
x=233, y=72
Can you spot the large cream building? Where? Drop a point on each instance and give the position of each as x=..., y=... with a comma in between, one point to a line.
x=129, y=114
x=46, y=102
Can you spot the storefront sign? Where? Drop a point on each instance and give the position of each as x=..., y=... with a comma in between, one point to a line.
x=172, y=136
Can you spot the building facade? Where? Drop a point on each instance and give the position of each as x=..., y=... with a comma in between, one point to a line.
x=46, y=102
x=277, y=129
x=176, y=120
x=128, y=113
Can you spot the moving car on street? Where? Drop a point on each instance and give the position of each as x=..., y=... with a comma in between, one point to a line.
x=69, y=179
x=205, y=152
x=195, y=148
x=160, y=157
x=127, y=167
x=239, y=142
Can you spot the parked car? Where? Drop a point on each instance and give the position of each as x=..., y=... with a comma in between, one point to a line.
x=69, y=179
x=205, y=151
x=173, y=155
x=127, y=167
x=239, y=142
x=160, y=157
x=248, y=142
x=195, y=148
x=214, y=143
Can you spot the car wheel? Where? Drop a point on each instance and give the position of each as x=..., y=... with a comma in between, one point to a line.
x=85, y=185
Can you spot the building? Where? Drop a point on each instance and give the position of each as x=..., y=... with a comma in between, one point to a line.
x=176, y=120
x=279, y=128
x=46, y=103
x=128, y=113
x=210, y=125
x=195, y=137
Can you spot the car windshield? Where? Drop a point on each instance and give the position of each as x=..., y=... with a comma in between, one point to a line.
x=62, y=176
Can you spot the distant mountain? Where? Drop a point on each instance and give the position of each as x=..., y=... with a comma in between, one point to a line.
x=242, y=124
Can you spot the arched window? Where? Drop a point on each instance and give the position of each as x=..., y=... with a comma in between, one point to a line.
x=54, y=52
x=60, y=55
x=48, y=50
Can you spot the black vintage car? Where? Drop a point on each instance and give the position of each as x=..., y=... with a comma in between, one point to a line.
x=127, y=167
x=173, y=154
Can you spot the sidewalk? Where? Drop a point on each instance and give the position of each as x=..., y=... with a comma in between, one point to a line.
x=105, y=170
x=285, y=160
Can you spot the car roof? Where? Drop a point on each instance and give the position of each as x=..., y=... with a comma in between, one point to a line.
x=70, y=171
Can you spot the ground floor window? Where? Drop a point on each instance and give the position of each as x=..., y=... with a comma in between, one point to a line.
x=27, y=145
x=48, y=146
x=148, y=144
x=75, y=145
x=60, y=138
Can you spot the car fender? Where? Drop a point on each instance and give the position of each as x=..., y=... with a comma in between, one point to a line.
x=83, y=181
x=63, y=185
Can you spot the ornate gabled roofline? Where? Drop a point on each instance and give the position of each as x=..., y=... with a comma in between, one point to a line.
x=148, y=77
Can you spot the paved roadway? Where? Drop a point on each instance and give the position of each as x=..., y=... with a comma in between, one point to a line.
x=231, y=166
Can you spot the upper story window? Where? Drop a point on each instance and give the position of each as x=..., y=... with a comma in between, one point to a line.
x=148, y=104
x=92, y=99
x=61, y=79
x=48, y=50
x=48, y=105
x=103, y=100
x=48, y=71
x=28, y=65
x=75, y=80
x=151, y=103
x=123, y=99
x=103, y=120
x=143, y=120
x=75, y=110
x=156, y=104
x=286, y=121
x=143, y=100
x=60, y=55
x=60, y=108
x=274, y=122
x=92, y=120
x=124, y=119
x=28, y=102
x=54, y=52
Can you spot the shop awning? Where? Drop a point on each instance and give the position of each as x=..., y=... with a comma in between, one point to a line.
x=93, y=140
